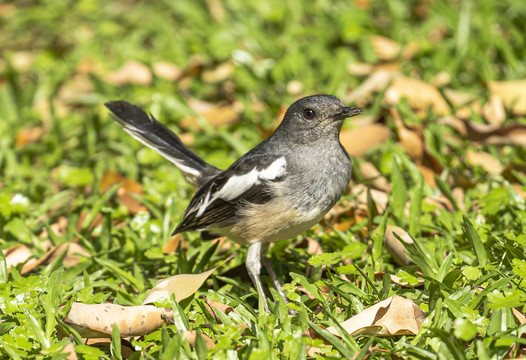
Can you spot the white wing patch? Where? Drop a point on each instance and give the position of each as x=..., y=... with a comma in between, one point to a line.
x=238, y=184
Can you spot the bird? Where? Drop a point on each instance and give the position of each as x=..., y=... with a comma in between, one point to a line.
x=276, y=191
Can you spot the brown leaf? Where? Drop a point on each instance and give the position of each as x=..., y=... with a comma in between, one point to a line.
x=493, y=111
x=96, y=320
x=191, y=336
x=182, y=286
x=360, y=69
x=393, y=316
x=69, y=349
x=58, y=228
x=72, y=256
x=394, y=247
x=218, y=74
x=385, y=49
x=219, y=306
x=29, y=135
x=513, y=134
x=372, y=176
x=420, y=95
x=17, y=254
x=105, y=345
x=75, y=90
x=125, y=191
x=520, y=316
x=132, y=72
x=485, y=161
x=172, y=244
x=215, y=115
x=512, y=93
x=313, y=247
x=358, y=141
x=376, y=82
x=167, y=71
x=410, y=140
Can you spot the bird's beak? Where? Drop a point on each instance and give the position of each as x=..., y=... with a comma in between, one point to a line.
x=347, y=112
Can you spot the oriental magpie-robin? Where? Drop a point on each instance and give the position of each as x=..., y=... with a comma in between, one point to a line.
x=276, y=191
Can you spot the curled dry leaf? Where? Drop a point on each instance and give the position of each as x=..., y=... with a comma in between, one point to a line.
x=191, y=336
x=182, y=286
x=132, y=72
x=512, y=93
x=96, y=320
x=394, y=247
x=358, y=141
x=393, y=316
x=379, y=197
x=513, y=134
x=73, y=255
x=313, y=247
x=219, y=306
x=410, y=140
x=421, y=95
x=485, y=161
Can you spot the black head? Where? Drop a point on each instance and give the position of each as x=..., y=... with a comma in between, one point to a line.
x=315, y=117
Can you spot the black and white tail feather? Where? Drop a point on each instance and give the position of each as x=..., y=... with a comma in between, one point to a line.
x=136, y=122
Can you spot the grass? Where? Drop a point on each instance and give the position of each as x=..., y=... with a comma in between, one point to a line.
x=55, y=57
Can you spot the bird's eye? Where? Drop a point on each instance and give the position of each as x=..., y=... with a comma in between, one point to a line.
x=309, y=114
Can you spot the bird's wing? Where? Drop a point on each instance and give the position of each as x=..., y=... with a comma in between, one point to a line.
x=248, y=180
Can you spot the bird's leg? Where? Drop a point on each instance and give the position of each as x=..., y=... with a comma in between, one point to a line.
x=277, y=284
x=253, y=264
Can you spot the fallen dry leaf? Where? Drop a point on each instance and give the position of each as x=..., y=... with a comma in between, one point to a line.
x=191, y=336
x=420, y=95
x=132, y=72
x=411, y=141
x=485, y=161
x=394, y=247
x=96, y=320
x=391, y=317
x=70, y=352
x=182, y=286
x=125, y=192
x=167, y=71
x=371, y=175
x=313, y=247
x=519, y=316
x=219, y=306
x=75, y=252
x=376, y=82
x=512, y=93
x=218, y=74
x=17, y=254
x=29, y=135
x=385, y=49
x=172, y=244
x=493, y=111
x=75, y=90
x=215, y=115
x=513, y=134
x=105, y=345
x=358, y=141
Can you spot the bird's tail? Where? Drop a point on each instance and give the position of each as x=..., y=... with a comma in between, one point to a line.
x=136, y=122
